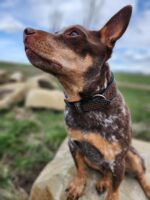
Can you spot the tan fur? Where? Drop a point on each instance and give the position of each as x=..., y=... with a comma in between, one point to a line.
x=133, y=165
x=92, y=165
x=111, y=195
x=108, y=149
x=103, y=184
x=77, y=185
x=72, y=83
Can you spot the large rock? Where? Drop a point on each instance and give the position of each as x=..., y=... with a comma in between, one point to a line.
x=41, y=98
x=41, y=81
x=11, y=94
x=3, y=77
x=6, y=78
x=17, y=77
x=54, y=179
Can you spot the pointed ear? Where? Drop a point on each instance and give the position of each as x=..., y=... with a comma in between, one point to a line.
x=116, y=26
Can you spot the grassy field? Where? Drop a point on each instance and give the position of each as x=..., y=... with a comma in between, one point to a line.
x=27, y=143
x=26, y=69
x=133, y=78
x=29, y=138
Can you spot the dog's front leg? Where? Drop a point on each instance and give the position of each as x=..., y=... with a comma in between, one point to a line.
x=76, y=187
x=116, y=177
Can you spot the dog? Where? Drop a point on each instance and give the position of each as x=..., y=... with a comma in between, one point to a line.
x=96, y=115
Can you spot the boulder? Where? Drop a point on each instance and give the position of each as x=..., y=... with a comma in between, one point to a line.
x=16, y=77
x=11, y=94
x=54, y=179
x=41, y=98
x=41, y=81
x=3, y=77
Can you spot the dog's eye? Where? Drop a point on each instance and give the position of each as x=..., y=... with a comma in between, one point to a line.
x=74, y=34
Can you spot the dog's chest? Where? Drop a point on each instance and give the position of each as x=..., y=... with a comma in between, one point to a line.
x=97, y=151
x=94, y=145
x=98, y=135
x=111, y=126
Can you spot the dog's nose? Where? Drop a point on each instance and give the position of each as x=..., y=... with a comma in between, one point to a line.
x=29, y=31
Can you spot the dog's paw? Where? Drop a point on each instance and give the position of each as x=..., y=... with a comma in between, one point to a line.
x=102, y=185
x=75, y=189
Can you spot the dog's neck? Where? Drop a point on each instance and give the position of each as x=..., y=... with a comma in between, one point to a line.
x=98, y=83
x=93, y=85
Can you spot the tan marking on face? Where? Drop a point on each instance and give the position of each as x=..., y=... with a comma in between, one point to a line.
x=73, y=81
x=108, y=149
x=72, y=65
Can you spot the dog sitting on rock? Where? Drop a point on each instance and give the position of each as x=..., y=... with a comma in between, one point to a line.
x=96, y=114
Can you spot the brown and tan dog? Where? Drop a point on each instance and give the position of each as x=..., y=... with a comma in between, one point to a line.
x=96, y=114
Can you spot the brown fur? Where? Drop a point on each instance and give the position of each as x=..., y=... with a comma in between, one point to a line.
x=100, y=139
x=108, y=149
x=103, y=184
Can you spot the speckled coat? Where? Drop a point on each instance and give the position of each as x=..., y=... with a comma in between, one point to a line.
x=100, y=139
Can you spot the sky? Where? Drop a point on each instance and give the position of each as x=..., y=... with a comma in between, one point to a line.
x=131, y=53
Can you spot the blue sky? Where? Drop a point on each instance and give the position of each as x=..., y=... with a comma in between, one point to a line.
x=132, y=52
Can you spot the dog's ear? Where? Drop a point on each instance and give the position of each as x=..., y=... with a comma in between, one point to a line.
x=116, y=26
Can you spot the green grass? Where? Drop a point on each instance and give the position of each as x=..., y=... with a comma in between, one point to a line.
x=139, y=104
x=133, y=78
x=26, y=69
x=27, y=145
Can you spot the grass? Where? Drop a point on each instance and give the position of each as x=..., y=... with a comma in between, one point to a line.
x=139, y=104
x=27, y=145
x=133, y=78
x=25, y=68
x=30, y=140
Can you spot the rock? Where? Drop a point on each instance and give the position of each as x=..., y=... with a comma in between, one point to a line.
x=3, y=77
x=17, y=77
x=54, y=179
x=11, y=94
x=41, y=98
x=41, y=81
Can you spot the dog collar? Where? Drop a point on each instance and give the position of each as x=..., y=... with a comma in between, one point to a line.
x=97, y=102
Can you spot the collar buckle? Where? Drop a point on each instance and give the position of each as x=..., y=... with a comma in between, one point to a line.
x=102, y=99
x=100, y=95
x=78, y=107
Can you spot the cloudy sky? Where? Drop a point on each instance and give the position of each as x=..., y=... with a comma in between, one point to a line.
x=132, y=52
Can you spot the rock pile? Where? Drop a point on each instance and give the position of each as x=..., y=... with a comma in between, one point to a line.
x=36, y=92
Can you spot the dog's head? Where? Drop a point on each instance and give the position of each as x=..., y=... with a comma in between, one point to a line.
x=72, y=53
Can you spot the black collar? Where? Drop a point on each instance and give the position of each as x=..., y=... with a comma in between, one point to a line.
x=97, y=102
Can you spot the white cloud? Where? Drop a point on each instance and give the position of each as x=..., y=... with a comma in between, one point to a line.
x=131, y=60
x=131, y=50
x=10, y=24
x=70, y=10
